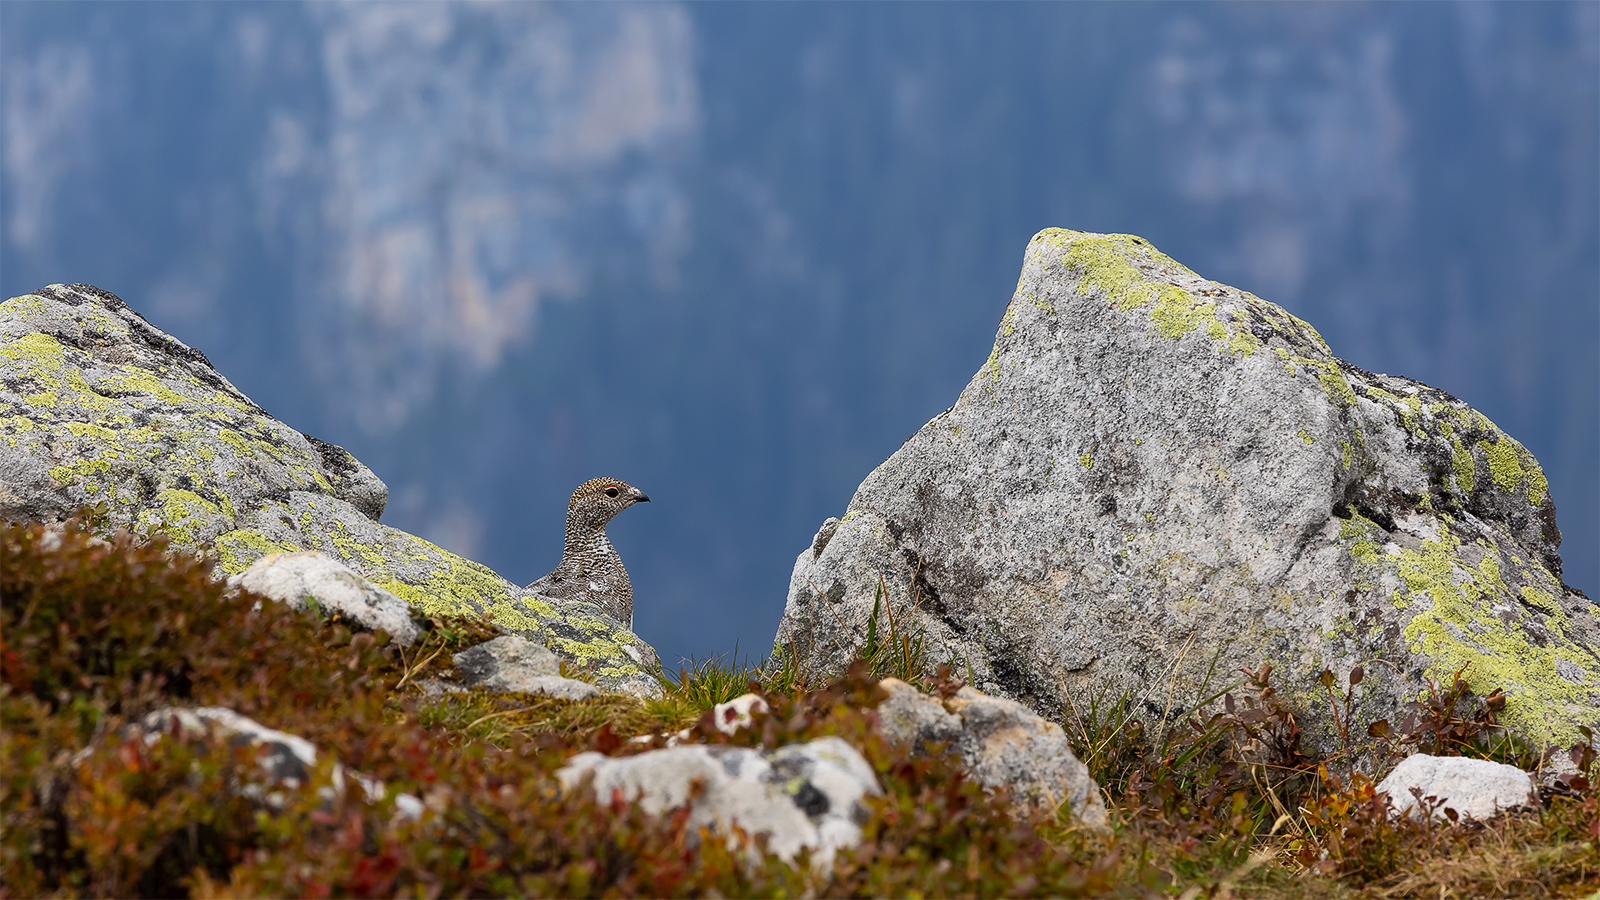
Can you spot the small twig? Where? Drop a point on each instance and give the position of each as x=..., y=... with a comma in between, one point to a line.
x=505, y=712
x=1172, y=683
x=1284, y=817
x=419, y=666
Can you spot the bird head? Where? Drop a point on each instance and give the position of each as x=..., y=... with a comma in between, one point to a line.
x=596, y=501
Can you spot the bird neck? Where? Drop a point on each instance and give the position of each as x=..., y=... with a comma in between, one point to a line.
x=587, y=539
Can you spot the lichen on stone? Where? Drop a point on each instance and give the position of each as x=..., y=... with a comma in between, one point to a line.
x=100, y=406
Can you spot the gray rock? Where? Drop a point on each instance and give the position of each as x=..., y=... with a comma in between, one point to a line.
x=1001, y=742
x=511, y=664
x=298, y=579
x=287, y=759
x=101, y=406
x=1475, y=788
x=98, y=405
x=801, y=795
x=1155, y=477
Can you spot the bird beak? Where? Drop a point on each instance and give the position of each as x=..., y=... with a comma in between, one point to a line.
x=639, y=497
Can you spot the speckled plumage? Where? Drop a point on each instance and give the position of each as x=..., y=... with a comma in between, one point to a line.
x=590, y=569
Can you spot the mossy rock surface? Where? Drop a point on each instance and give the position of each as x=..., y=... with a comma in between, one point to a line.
x=98, y=406
x=1155, y=476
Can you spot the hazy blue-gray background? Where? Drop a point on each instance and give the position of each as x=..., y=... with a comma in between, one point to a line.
x=735, y=254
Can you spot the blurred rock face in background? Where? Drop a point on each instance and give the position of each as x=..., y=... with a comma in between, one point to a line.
x=735, y=255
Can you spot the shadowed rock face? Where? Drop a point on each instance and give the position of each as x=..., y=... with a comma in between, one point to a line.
x=97, y=405
x=1156, y=476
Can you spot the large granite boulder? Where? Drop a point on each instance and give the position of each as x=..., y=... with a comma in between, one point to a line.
x=98, y=406
x=1155, y=477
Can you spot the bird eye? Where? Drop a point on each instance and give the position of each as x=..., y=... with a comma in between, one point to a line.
x=611, y=492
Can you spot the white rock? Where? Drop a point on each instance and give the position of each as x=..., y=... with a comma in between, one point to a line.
x=1474, y=788
x=800, y=795
x=737, y=713
x=299, y=578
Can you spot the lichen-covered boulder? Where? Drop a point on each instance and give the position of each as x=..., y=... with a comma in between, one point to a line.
x=1156, y=480
x=98, y=406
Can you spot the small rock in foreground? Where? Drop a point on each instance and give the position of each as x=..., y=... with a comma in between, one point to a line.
x=300, y=578
x=801, y=795
x=1475, y=788
x=513, y=665
x=287, y=759
x=1001, y=742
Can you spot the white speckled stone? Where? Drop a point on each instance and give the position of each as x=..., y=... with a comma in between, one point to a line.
x=1475, y=788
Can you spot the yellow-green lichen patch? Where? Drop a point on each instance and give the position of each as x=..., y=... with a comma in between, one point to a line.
x=1364, y=537
x=40, y=357
x=1465, y=619
x=1510, y=464
x=1176, y=313
x=1337, y=387
x=1128, y=272
x=450, y=585
x=1086, y=460
x=1308, y=439
x=606, y=654
x=245, y=447
x=1465, y=468
x=350, y=547
x=66, y=475
x=1412, y=411
x=1540, y=599
x=131, y=379
x=421, y=600
x=992, y=367
x=1242, y=342
x=238, y=550
x=1006, y=327
x=1326, y=371
x=1538, y=485
x=1101, y=261
x=34, y=350
x=186, y=517
x=1310, y=332
x=88, y=430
